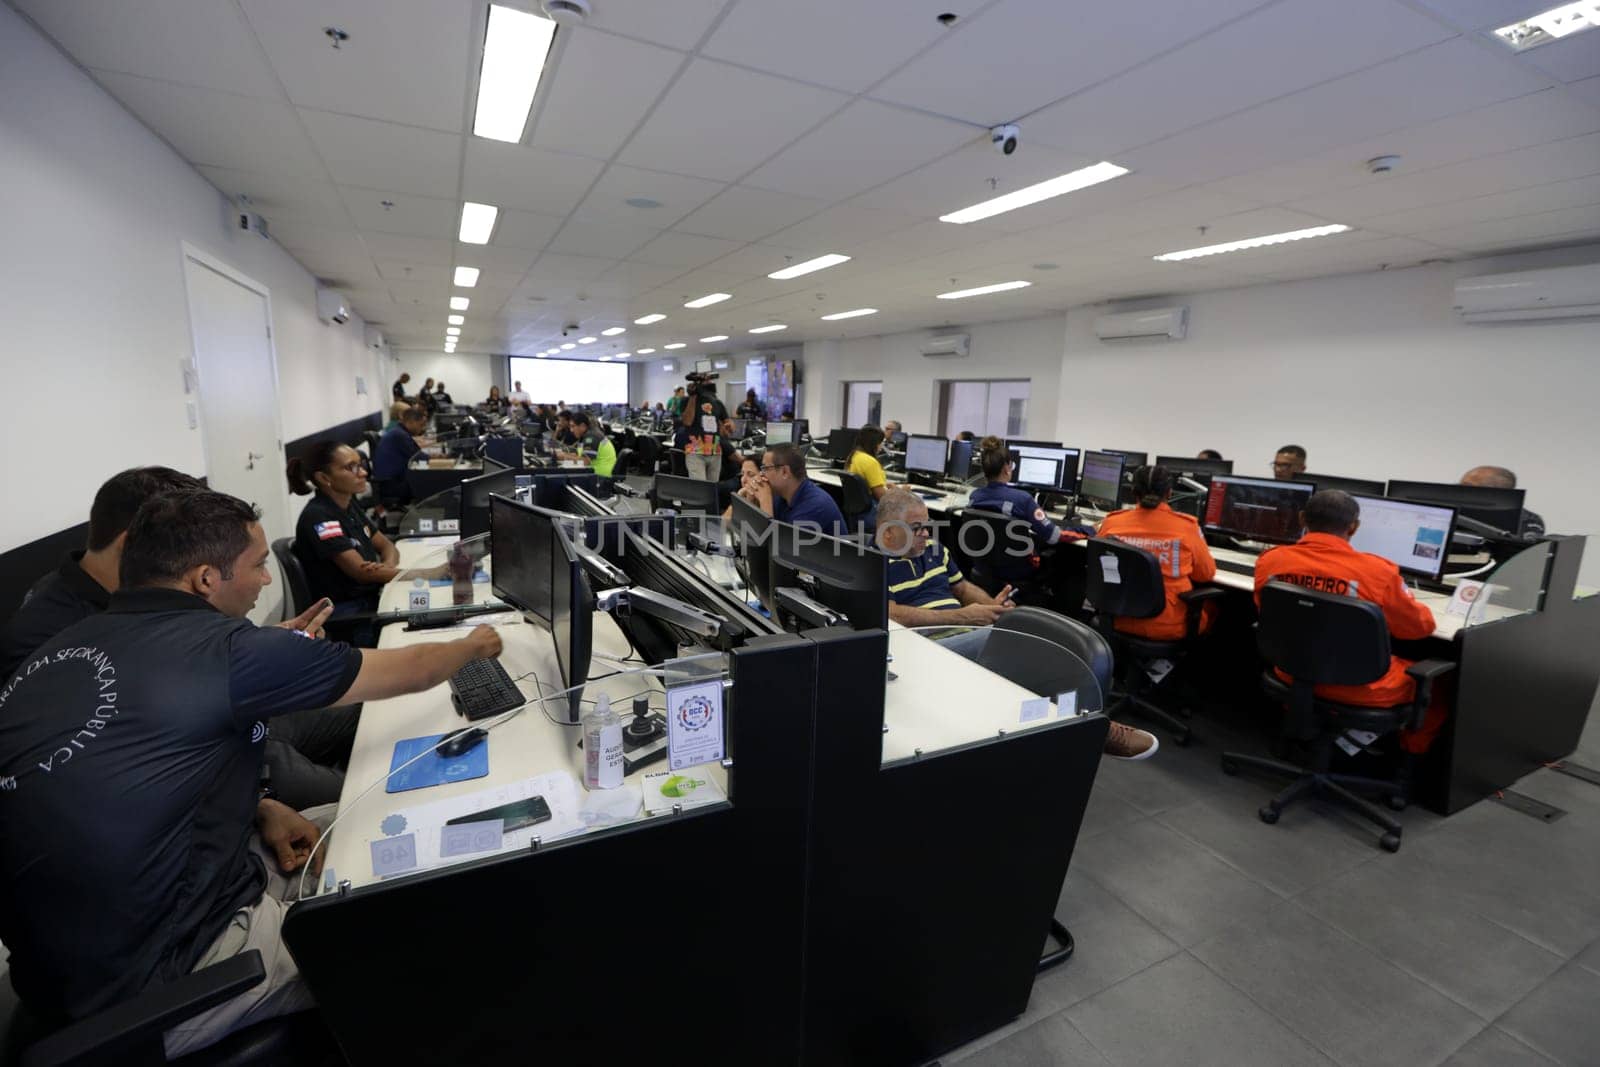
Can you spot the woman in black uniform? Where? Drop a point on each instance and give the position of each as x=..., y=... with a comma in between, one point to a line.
x=345, y=556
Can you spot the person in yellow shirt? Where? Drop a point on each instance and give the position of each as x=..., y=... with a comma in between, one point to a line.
x=864, y=462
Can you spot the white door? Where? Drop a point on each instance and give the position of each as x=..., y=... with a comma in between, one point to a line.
x=231, y=322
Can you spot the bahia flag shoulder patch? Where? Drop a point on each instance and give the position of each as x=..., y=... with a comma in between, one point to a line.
x=327, y=531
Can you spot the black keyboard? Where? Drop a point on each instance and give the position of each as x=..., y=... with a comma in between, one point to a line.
x=483, y=688
x=1236, y=567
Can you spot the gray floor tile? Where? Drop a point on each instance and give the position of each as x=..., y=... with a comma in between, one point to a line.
x=1172, y=778
x=1558, y=1018
x=1589, y=957
x=1182, y=888
x=1435, y=935
x=1178, y=1012
x=1051, y=1041
x=1106, y=811
x=1343, y=998
x=1306, y=848
x=1112, y=943
x=1495, y=1048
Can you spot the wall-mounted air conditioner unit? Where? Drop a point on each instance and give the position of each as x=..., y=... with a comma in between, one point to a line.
x=1556, y=293
x=947, y=345
x=374, y=338
x=332, y=306
x=1157, y=324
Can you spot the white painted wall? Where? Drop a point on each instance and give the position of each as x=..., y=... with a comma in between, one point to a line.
x=93, y=210
x=466, y=375
x=1373, y=373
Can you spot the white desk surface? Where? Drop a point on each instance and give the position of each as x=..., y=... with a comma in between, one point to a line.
x=429, y=552
x=523, y=746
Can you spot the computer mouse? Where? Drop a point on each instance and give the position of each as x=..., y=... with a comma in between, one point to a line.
x=461, y=742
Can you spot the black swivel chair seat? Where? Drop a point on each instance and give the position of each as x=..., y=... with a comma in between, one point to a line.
x=298, y=589
x=991, y=562
x=1327, y=639
x=855, y=499
x=1139, y=592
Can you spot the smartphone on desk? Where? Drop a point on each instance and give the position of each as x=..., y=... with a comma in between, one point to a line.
x=514, y=816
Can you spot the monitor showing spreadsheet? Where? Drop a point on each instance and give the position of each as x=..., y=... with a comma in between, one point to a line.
x=780, y=433
x=926, y=454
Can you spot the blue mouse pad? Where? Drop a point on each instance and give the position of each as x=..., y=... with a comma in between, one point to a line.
x=434, y=769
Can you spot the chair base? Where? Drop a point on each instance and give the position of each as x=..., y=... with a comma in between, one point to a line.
x=1061, y=955
x=1335, y=787
x=1181, y=732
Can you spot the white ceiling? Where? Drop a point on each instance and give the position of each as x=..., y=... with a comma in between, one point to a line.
x=777, y=130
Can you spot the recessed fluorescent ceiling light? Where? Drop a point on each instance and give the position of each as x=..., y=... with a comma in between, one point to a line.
x=1551, y=25
x=1251, y=242
x=568, y=347
x=770, y=329
x=709, y=299
x=713, y=339
x=514, y=52
x=466, y=277
x=1058, y=186
x=587, y=340
x=674, y=346
x=453, y=331
x=477, y=222
x=856, y=314
x=648, y=319
x=456, y=320
x=605, y=359
x=646, y=351
x=541, y=355
x=998, y=287
x=832, y=259
x=624, y=355
x=612, y=331
x=459, y=303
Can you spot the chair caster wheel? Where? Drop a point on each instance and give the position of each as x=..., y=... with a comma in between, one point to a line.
x=1229, y=766
x=1390, y=842
x=1396, y=802
x=1270, y=816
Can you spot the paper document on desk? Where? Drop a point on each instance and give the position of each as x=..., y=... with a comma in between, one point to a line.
x=426, y=821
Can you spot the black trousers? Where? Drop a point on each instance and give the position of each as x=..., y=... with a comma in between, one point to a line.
x=307, y=752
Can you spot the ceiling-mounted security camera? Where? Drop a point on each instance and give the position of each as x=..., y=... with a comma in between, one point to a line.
x=1004, y=138
x=570, y=327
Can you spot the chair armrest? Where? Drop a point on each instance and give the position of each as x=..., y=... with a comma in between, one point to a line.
x=1424, y=672
x=1196, y=600
x=150, y=1013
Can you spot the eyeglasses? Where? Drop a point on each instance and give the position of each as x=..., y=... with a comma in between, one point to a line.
x=351, y=468
x=919, y=527
x=765, y=467
x=1282, y=465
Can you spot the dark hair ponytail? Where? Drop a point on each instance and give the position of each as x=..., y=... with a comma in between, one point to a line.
x=868, y=438
x=992, y=457
x=1151, y=485
x=302, y=469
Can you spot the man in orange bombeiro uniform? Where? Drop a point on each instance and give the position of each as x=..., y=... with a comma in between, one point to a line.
x=1325, y=561
x=1174, y=539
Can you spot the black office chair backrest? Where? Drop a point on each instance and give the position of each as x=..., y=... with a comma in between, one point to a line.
x=373, y=437
x=857, y=498
x=679, y=466
x=1322, y=638
x=1029, y=663
x=294, y=575
x=1129, y=585
x=1006, y=543
x=624, y=462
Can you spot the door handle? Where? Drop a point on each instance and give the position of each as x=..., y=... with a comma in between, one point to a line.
x=251, y=458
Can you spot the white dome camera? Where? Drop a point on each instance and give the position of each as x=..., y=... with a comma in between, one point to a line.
x=1004, y=138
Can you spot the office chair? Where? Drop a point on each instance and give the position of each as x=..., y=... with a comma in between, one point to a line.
x=1328, y=639
x=997, y=566
x=624, y=465
x=294, y=577
x=129, y=1033
x=676, y=461
x=1132, y=587
x=372, y=438
x=855, y=499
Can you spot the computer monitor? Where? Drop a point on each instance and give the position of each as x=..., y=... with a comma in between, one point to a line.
x=702, y=366
x=1353, y=486
x=1043, y=466
x=571, y=619
x=926, y=454
x=752, y=533
x=1499, y=508
x=1261, y=509
x=1102, y=478
x=550, y=489
x=1131, y=461
x=802, y=428
x=850, y=578
x=684, y=494
x=506, y=450
x=1195, y=468
x=492, y=465
x=1414, y=537
x=841, y=443
x=475, y=493
x=522, y=550
x=959, y=465
x=780, y=433
x=741, y=428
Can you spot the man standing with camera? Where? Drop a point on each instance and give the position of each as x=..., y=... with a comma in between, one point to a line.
x=703, y=416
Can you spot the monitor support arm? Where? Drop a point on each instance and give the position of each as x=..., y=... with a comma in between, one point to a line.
x=626, y=601
x=795, y=601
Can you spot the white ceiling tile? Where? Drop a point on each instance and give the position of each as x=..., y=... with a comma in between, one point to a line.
x=970, y=176
x=1278, y=50
x=601, y=87
x=1587, y=90
x=190, y=42
x=843, y=227
x=740, y=213
x=719, y=121
x=791, y=38
x=282, y=198
x=1046, y=50
x=680, y=24
x=382, y=155
x=601, y=240
x=1531, y=200
x=1486, y=14
x=412, y=273
x=412, y=216
x=634, y=277
x=759, y=260
x=684, y=250
x=532, y=179
x=495, y=258
x=1572, y=222
x=525, y=229
x=864, y=145
x=553, y=268
x=676, y=193
x=219, y=129
x=404, y=61
x=400, y=249
x=1573, y=59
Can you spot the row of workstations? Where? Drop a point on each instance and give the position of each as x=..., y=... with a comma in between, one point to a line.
x=852, y=869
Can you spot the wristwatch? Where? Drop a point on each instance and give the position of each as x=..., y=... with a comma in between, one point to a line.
x=264, y=790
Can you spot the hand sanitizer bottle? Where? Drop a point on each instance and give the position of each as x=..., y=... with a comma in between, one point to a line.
x=602, y=747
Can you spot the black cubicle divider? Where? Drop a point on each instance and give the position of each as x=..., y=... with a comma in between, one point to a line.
x=26, y=564
x=682, y=932
x=932, y=883
x=351, y=433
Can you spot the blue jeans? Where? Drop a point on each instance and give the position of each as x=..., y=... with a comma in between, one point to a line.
x=968, y=644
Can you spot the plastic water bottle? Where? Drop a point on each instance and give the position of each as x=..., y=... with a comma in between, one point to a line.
x=602, y=747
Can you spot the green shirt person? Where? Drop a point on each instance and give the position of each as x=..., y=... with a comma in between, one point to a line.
x=676, y=401
x=594, y=447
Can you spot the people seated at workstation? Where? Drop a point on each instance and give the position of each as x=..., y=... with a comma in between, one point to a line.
x=864, y=463
x=593, y=447
x=345, y=556
x=751, y=408
x=927, y=589
x=894, y=434
x=161, y=856
x=395, y=450
x=1324, y=560
x=1501, y=478
x=397, y=411
x=495, y=402
x=997, y=494
x=1288, y=464
x=1211, y=453
x=749, y=474
x=1176, y=540
x=782, y=490
x=564, y=432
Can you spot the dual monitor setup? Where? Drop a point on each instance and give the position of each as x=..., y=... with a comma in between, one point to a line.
x=1037, y=466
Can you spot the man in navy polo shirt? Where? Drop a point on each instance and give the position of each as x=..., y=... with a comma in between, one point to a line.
x=393, y=454
x=131, y=827
x=784, y=492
